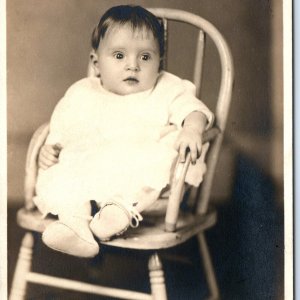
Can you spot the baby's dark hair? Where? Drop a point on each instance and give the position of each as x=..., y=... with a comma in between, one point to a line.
x=136, y=16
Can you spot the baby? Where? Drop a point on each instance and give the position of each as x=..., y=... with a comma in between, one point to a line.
x=114, y=137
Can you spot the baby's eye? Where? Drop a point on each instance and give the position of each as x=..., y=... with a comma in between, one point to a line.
x=119, y=55
x=145, y=57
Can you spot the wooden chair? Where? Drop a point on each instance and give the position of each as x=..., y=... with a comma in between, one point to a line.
x=167, y=230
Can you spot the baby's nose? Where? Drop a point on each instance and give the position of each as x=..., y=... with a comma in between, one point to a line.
x=133, y=64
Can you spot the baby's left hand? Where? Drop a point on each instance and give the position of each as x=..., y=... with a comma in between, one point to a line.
x=190, y=138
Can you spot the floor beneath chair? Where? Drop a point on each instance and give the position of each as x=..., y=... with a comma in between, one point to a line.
x=246, y=246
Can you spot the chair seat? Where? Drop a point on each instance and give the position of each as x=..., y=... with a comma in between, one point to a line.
x=150, y=235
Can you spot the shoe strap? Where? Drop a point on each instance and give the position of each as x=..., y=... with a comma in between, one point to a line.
x=136, y=217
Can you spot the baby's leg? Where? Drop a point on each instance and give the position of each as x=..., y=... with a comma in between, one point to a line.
x=71, y=233
x=146, y=197
x=120, y=212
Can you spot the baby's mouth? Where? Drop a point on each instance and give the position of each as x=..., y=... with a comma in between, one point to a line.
x=131, y=80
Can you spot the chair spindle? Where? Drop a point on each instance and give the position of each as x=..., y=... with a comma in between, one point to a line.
x=199, y=62
x=165, y=60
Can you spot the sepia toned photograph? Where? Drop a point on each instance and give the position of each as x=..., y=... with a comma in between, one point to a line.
x=146, y=150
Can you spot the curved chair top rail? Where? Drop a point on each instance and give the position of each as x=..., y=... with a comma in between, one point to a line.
x=224, y=96
x=221, y=111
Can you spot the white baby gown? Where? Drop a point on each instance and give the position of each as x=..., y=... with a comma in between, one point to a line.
x=114, y=145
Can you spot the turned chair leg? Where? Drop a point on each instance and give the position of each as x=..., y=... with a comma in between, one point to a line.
x=157, y=280
x=23, y=267
x=208, y=268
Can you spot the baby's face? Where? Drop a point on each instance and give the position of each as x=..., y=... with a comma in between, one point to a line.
x=128, y=61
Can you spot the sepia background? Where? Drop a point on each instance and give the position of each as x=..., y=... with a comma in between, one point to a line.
x=48, y=44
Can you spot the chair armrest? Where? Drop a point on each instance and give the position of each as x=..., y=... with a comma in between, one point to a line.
x=176, y=194
x=210, y=134
x=177, y=185
x=37, y=141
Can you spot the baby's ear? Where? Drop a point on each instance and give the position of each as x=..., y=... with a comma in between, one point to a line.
x=93, y=69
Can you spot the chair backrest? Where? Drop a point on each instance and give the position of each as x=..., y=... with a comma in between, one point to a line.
x=225, y=90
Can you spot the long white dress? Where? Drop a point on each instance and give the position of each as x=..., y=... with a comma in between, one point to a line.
x=113, y=145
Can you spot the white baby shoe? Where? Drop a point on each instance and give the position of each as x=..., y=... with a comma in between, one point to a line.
x=113, y=219
x=71, y=236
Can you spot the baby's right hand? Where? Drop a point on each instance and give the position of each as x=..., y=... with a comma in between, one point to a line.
x=49, y=156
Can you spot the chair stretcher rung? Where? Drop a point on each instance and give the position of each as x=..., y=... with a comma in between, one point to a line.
x=85, y=287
